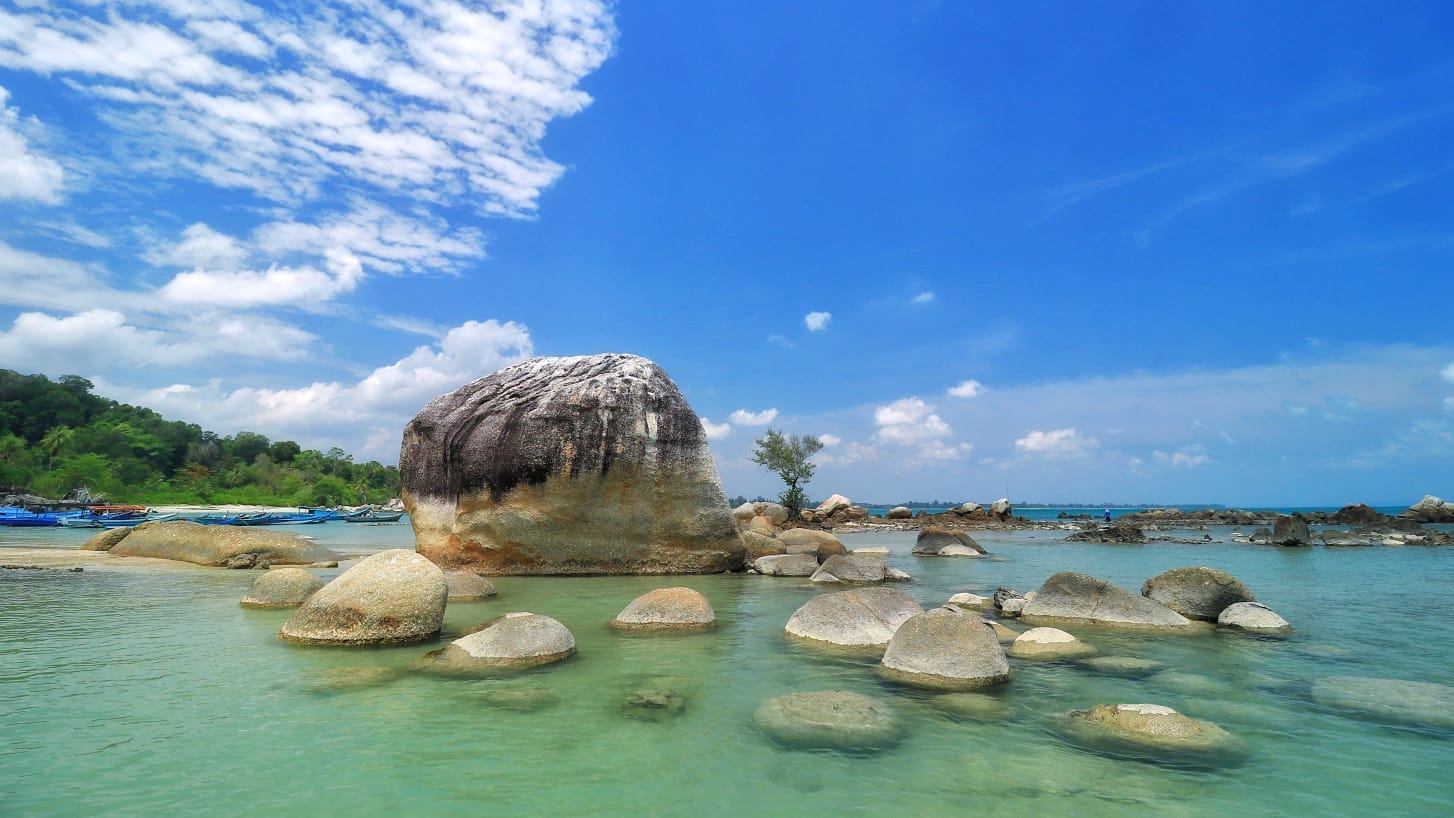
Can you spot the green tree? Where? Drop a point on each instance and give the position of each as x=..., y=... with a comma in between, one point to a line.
x=56, y=439
x=787, y=455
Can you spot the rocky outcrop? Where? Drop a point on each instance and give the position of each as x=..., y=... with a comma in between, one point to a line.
x=850, y=568
x=828, y=720
x=676, y=609
x=1292, y=531
x=898, y=513
x=933, y=540
x=1001, y=510
x=1072, y=598
x=281, y=588
x=1150, y=731
x=833, y=505
x=467, y=586
x=1431, y=509
x=216, y=545
x=945, y=649
x=787, y=565
x=587, y=465
x=1393, y=701
x=811, y=541
x=511, y=642
x=867, y=617
x=1250, y=616
x=1196, y=592
x=1049, y=643
x=391, y=597
x=1120, y=532
x=761, y=545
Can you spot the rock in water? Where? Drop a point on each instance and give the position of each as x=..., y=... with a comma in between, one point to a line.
x=1290, y=531
x=1197, y=592
x=1395, y=701
x=862, y=618
x=829, y=720
x=1069, y=597
x=1250, y=616
x=283, y=588
x=511, y=642
x=945, y=649
x=932, y=541
x=467, y=586
x=391, y=597
x=1151, y=732
x=217, y=544
x=1049, y=643
x=587, y=465
x=106, y=540
x=667, y=609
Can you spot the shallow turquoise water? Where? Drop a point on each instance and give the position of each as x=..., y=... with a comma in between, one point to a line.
x=146, y=693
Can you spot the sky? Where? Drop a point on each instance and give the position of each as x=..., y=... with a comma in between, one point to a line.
x=1061, y=252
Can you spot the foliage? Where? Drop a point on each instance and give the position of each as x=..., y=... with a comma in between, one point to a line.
x=787, y=455
x=58, y=436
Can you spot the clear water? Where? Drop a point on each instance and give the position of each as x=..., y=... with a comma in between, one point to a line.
x=145, y=692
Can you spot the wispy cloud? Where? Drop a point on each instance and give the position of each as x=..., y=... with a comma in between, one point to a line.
x=24, y=172
x=925, y=297
x=1056, y=443
x=966, y=389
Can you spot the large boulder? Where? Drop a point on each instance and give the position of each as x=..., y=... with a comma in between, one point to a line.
x=932, y=541
x=828, y=720
x=811, y=541
x=867, y=617
x=281, y=588
x=586, y=465
x=1394, y=701
x=1078, y=599
x=511, y=642
x=667, y=609
x=1197, y=592
x=1291, y=530
x=219, y=544
x=1152, y=732
x=850, y=568
x=945, y=649
x=392, y=597
x=1001, y=510
x=761, y=545
x=1251, y=616
x=106, y=540
x=1431, y=509
x=833, y=505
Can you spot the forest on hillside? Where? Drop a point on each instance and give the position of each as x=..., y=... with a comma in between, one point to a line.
x=57, y=436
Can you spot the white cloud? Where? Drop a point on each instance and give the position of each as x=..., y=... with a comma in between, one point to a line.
x=923, y=298
x=715, y=431
x=817, y=321
x=909, y=420
x=1448, y=373
x=201, y=247
x=966, y=389
x=1188, y=458
x=25, y=174
x=287, y=286
x=742, y=417
x=447, y=99
x=1056, y=443
x=829, y=441
x=938, y=450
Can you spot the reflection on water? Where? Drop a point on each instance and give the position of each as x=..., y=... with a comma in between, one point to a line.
x=143, y=693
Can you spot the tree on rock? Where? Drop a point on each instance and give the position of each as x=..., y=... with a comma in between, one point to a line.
x=787, y=455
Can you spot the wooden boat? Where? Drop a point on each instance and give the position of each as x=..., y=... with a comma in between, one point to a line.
x=130, y=522
x=374, y=517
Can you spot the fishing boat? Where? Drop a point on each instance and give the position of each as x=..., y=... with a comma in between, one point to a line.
x=81, y=521
x=374, y=517
x=131, y=522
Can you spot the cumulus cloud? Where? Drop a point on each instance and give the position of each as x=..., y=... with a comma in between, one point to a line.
x=200, y=247
x=1056, y=443
x=829, y=441
x=817, y=321
x=966, y=389
x=742, y=417
x=923, y=298
x=24, y=173
x=274, y=286
x=909, y=420
x=715, y=431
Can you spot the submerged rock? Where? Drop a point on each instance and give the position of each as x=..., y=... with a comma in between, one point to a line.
x=215, y=545
x=283, y=588
x=394, y=596
x=586, y=465
x=1393, y=701
x=1126, y=667
x=675, y=609
x=511, y=642
x=653, y=704
x=467, y=586
x=1070, y=597
x=1251, y=616
x=1049, y=643
x=1197, y=592
x=1150, y=732
x=933, y=540
x=866, y=617
x=977, y=706
x=945, y=649
x=829, y=720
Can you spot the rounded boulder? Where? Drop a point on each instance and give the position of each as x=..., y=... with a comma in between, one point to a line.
x=395, y=596
x=1049, y=643
x=1392, y=701
x=828, y=720
x=1150, y=732
x=1073, y=598
x=933, y=540
x=866, y=617
x=945, y=649
x=511, y=642
x=667, y=609
x=1197, y=592
x=467, y=586
x=281, y=588
x=1252, y=616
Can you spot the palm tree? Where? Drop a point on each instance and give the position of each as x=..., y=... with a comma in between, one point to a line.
x=56, y=438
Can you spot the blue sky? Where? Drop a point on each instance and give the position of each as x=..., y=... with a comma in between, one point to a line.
x=1151, y=252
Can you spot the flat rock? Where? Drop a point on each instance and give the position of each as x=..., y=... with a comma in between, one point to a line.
x=972, y=602
x=787, y=565
x=864, y=617
x=945, y=649
x=667, y=609
x=514, y=641
x=1150, y=732
x=284, y=588
x=1392, y=701
x=216, y=545
x=1252, y=616
x=394, y=596
x=1197, y=592
x=467, y=586
x=1049, y=643
x=829, y=720
x=850, y=568
x=585, y=465
x=1073, y=598
x=1126, y=667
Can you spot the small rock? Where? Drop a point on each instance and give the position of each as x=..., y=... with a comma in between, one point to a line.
x=653, y=705
x=1126, y=667
x=1392, y=701
x=972, y=602
x=511, y=642
x=849, y=568
x=787, y=565
x=286, y=587
x=1049, y=643
x=468, y=586
x=1150, y=732
x=1251, y=616
x=667, y=609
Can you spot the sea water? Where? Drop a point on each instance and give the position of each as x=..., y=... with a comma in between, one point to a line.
x=151, y=692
